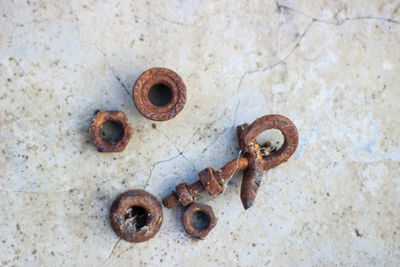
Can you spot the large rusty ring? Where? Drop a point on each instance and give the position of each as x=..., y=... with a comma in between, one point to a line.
x=120, y=121
x=206, y=218
x=136, y=216
x=279, y=122
x=168, y=86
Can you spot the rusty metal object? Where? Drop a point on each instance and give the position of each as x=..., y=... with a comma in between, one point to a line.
x=253, y=162
x=136, y=216
x=210, y=181
x=102, y=117
x=170, y=81
x=258, y=163
x=199, y=230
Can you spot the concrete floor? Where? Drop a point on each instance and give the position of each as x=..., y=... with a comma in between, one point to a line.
x=332, y=67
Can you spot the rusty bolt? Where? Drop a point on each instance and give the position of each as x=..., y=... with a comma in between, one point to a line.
x=198, y=220
x=159, y=94
x=255, y=160
x=210, y=181
x=119, y=122
x=136, y=216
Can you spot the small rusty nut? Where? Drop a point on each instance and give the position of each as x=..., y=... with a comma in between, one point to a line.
x=110, y=131
x=136, y=216
x=198, y=220
x=159, y=94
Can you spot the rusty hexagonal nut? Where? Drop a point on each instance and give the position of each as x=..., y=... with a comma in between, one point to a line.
x=209, y=182
x=159, y=94
x=136, y=216
x=119, y=121
x=198, y=220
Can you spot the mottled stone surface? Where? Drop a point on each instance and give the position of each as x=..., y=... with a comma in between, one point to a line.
x=332, y=67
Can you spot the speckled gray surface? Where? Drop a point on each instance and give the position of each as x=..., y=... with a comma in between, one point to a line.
x=330, y=66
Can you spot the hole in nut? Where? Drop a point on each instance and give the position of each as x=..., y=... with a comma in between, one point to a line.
x=270, y=141
x=200, y=220
x=160, y=95
x=111, y=132
x=136, y=217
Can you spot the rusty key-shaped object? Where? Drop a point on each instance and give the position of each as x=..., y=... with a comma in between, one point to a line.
x=253, y=162
x=258, y=162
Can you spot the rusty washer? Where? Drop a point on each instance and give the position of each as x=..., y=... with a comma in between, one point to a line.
x=198, y=220
x=136, y=216
x=120, y=121
x=159, y=94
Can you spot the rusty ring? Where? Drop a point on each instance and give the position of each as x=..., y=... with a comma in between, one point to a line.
x=190, y=229
x=103, y=116
x=126, y=227
x=146, y=81
x=279, y=122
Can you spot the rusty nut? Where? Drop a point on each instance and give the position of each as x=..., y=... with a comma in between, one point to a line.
x=183, y=194
x=110, y=131
x=209, y=182
x=198, y=220
x=159, y=94
x=136, y=216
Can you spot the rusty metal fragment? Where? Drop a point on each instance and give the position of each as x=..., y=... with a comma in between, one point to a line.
x=199, y=230
x=136, y=216
x=172, y=87
x=103, y=116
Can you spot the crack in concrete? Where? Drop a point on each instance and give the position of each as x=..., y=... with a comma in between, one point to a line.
x=33, y=192
x=97, y=48
x=18, y=65
x=281, y=61
x=235, y=113
x=112, y=251
x=181, y=152
x=212, y=143
x=112, y=70
x=154, y=165
x=302, y=36
x=394, y=11
x=338, y=22
x=180, y=23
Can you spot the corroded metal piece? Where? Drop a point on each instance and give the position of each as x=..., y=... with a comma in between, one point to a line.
x=258, y=162
x=253, y=162
x=136, y=216
x=103, y=116
x=199, y=231
x=165, y=77
x=210, y=181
